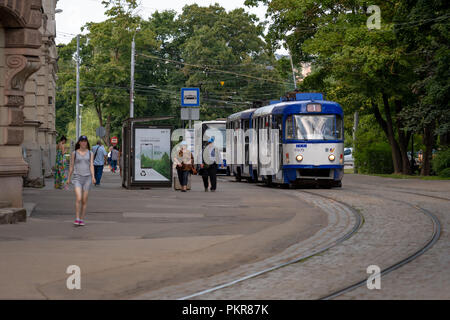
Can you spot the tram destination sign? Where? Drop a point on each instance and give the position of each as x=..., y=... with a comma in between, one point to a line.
x=190, y=97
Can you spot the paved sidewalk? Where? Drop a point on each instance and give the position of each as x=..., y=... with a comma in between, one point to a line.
x=136, y=241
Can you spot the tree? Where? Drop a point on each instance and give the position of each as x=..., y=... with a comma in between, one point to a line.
x=221, y=52
x=427, y=38
x=368, y=70
x=227, y=58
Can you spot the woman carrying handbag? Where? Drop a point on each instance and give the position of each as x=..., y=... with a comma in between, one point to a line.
x=184, y=163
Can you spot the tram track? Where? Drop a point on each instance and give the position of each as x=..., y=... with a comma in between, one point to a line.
x=359, y=221
x=433, y=239
x=408, y=192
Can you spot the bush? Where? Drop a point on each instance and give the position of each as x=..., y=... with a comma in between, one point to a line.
x=374, y=158
x=441, y=162
x=445, y=173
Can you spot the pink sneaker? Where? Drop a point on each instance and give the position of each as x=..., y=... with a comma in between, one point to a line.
x=76, y=222
x=81, y=223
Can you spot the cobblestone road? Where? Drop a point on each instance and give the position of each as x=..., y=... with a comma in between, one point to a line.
x=160, y=244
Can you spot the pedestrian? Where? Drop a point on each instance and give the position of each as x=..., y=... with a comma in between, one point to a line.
x=109, y=156
x=209, y=166
x=114, y=158
x=60, y=165
x=100, y=155
x=184, y=163
x=82, y=167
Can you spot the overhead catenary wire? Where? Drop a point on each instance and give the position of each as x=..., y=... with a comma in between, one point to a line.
x=213, y=69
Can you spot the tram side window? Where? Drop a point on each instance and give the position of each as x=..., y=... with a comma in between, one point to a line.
x=339, y=128
x=289, y=128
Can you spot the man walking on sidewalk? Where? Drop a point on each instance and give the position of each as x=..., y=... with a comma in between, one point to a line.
x=209, y=167
x=99, y=161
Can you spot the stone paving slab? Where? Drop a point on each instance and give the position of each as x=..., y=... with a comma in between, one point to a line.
x=160, y=244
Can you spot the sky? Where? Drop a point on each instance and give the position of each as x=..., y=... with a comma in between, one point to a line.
x=76, y=13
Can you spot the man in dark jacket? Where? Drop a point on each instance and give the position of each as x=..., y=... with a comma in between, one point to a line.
x=209, y=167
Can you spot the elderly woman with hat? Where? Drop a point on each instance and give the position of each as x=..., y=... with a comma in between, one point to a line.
x=184, y=162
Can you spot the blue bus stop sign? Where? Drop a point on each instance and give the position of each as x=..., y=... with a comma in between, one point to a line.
x=190, y=97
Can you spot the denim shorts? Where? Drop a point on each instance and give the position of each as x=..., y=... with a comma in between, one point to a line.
x=83, y=182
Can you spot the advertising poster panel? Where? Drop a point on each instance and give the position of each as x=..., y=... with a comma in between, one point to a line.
x=152, y=155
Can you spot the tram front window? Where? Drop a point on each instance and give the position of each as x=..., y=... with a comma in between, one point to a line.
x=317, y=127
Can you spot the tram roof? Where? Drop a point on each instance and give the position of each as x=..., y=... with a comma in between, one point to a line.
x=213, y=121
x=291, y=107
x=246, y=114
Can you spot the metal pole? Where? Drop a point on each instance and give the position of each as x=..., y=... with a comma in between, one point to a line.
x=412, y=161
x=355, y=128
x=77, y=120
x=132, y=79
x=190, y=117
x=292, y=67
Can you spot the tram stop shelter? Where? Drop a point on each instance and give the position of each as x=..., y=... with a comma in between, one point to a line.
x=146, y=148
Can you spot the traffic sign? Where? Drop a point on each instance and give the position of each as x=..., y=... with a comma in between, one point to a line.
x=100, y=132
x=190, y=113
x=190, y=97
x=114, y=140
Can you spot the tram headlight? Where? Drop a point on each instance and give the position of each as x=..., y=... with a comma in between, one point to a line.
x=299, y=157
x=331, y=157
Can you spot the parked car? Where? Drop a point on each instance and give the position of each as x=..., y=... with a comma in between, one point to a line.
x=348, y=157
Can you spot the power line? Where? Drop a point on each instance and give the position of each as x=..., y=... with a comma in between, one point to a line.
x=213, y=69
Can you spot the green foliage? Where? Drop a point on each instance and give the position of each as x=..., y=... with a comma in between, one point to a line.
x=162, y=165
x=445, y=173
x=441, y=162
x=201, y=47
x=428, y=45
x=374, y=158
x=398, y=73
x=88, y=125
x=372, y=153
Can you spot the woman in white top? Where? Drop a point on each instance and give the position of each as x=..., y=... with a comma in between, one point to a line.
x=82, y=165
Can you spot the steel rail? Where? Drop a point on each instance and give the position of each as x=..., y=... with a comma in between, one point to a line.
x=435, y=237
x=358, y=223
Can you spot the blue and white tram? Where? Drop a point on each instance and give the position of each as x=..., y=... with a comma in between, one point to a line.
x=238, y=125
x=309, y=145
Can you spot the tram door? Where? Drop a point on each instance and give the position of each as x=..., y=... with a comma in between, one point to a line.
x=254, y=151
x=246, y=167
x=278, y=126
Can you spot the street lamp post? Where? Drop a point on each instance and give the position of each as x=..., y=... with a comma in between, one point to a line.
x=133, y=49
x=133, y=55
x=81, y=118
x=292, y=67
x=77, y=119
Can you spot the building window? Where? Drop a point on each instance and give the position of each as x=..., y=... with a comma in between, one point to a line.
x=50, y=100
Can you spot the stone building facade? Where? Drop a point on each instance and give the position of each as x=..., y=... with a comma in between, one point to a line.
x=27, y=95
x=39, y=143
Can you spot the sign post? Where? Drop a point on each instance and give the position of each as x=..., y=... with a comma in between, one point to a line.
x=190, y=103
x=114, y=141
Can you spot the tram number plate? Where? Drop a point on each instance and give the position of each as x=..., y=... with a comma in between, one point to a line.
x=301, y=145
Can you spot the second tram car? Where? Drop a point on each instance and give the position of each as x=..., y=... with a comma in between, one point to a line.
x=239, y=137
x=295, y=141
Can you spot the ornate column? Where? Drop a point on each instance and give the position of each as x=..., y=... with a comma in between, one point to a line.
x=21, y=20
